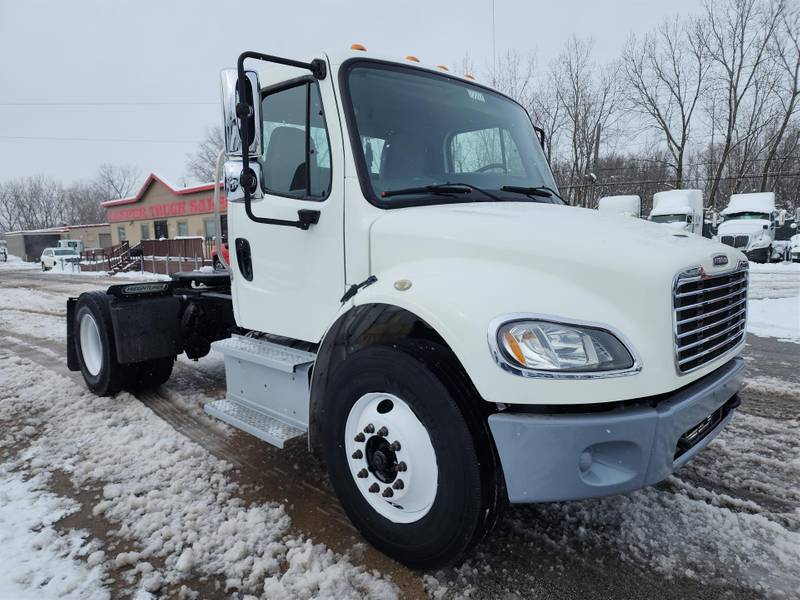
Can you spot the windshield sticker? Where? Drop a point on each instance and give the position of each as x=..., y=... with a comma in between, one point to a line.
x=476, y=95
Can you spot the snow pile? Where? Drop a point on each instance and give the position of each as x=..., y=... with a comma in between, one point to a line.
x=16, y=263
x=169, y=496
x=775, y=317
x=37, y=561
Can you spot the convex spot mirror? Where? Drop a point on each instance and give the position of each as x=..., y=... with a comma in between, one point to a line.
x=232, y=122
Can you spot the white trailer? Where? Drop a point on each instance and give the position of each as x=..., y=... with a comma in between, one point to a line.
x=749, y=225
x=681, y=210
x=400, y=293
x=629, y=206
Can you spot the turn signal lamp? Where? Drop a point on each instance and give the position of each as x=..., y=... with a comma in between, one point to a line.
x=412, y=58
x=359, y=47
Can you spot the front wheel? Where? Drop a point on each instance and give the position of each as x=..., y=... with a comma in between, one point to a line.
x=404, y=461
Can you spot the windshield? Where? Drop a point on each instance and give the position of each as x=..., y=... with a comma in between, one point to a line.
x=748, y=215
x=668, y=218
x=417, y=129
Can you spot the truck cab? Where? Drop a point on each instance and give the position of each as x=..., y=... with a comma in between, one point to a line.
x=749, y=225
x=76, y=245
x=681, y=210
x=401, y=295
x=626, y=205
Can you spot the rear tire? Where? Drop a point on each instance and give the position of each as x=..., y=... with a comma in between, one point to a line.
x=463, y=502
x=94, y=345
x=148, y=374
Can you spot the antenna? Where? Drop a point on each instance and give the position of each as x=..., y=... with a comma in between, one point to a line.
x=494, y=53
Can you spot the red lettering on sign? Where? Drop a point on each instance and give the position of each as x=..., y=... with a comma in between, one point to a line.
x=167, y=209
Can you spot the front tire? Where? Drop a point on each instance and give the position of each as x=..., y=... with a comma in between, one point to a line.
x=390, y=418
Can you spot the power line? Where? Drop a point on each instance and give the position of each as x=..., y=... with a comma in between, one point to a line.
x=124, y=103
x=104, y=140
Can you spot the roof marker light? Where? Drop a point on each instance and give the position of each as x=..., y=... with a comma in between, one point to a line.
x=412, y=58
x=359, y=47
x=442, y=67
x=469, y=76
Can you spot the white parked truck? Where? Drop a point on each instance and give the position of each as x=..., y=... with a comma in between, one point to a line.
x=628, y=206
x=400, y=292
x=76, y=245
x=682, y=210
x=749, y=225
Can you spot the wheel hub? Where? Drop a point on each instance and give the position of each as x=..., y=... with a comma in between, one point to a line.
x=391, y=457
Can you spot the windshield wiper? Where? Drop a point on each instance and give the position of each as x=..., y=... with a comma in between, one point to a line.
x=444, y=189
x=542, y=191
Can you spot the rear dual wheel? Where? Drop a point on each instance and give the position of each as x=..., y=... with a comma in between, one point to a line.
x=94, y=344
x=404, y=458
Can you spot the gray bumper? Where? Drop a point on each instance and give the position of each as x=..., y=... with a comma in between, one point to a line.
x=549, y=458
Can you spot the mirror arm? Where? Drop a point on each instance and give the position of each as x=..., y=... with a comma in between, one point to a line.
x=248, y=179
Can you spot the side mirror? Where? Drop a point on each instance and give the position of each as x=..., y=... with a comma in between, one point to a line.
x=231, y=121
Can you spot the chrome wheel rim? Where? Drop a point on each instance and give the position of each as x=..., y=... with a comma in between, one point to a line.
x=391, y=458
x=91, y=345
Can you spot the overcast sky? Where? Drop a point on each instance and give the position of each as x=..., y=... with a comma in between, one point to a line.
x=59, y=54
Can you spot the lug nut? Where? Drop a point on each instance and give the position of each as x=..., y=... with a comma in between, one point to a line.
x=358, y=454
x=383, y=432
x=374, y=488
x=360, y=437
x=369, y=428
x=363, y=473
x=395, y=446
x=398, y=484
x=388, y=493
x=401, y=466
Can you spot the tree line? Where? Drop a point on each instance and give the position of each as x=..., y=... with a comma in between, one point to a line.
x=40, y=202
x=709, y=101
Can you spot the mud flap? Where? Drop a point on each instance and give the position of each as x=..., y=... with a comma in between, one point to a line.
x=72, y=355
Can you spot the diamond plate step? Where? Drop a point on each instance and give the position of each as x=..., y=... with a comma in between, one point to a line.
x=264, y=353
x=254, y=422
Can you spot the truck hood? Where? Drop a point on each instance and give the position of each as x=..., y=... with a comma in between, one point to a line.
x=743, y=227
x=562, y=240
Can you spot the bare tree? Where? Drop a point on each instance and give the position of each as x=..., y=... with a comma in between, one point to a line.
x=786, y=54
x=116, y=181
x=589, y=96
x=665, y=72
x=201, y=164
x=737, y=37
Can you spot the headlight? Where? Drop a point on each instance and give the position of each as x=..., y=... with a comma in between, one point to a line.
x=550, y=348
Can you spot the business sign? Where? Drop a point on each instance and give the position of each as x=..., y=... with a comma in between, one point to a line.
x=165, y=210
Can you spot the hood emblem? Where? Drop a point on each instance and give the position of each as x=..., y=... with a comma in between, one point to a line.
x=719, y=260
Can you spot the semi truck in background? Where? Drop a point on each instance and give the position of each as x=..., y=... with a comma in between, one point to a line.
x=629, y=206
x=399, y=293
x=749, y=225
x=681, y=210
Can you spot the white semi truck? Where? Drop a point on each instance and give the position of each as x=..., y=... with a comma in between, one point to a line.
x=749, y=225
x=682, y=210
x=399, y=292
x=626, y=205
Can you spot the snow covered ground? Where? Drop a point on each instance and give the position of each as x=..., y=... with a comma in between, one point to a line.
x=147, y=496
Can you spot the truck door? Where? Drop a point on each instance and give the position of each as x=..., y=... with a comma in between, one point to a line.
x=295, y=279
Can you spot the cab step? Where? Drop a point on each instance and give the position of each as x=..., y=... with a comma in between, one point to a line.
x=267, y=388
x=254, y=422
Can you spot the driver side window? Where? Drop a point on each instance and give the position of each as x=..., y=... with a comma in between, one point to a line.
x=297, y=159
x=490, y=150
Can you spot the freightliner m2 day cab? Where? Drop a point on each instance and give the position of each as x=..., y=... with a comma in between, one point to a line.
x=400, y=292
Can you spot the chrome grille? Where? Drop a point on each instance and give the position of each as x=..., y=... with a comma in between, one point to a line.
x=709, y=315
x=735, y=241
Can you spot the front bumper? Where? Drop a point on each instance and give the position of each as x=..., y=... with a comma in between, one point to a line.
x=549, y=458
